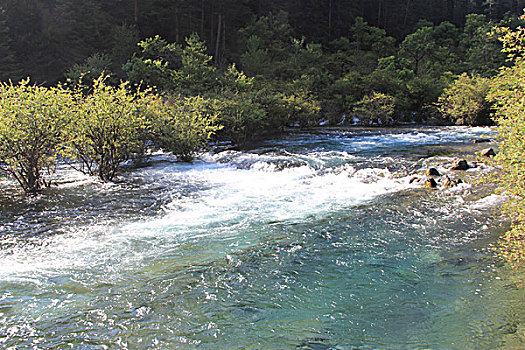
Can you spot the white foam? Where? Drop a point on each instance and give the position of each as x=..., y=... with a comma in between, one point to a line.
x=490, y=201
x=222, y=194
x=227, y=201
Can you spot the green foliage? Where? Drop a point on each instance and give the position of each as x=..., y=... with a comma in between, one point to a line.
x=369, y=38
x=242, y=117
x=483, y=53
x=508, y=94
x=273, y=54
x=256, y=60
x=236, y=81
x=375, y=108
x=107, y=130
x=418, y=48
x=183, y=70
x=124, y=40
x=93, y=67
x=301, y=108
x=75, y=30
x=155, y=64
x=346, y=91
x=183, y=125
x=415, y=73
x=308, y=70
x=268, y=43
x=32, y=122
x=245, y=108
x=465, y=101
x=389, y=77
x=431, y=49
x=49, y=37
x=197, y=75
x=423, y=91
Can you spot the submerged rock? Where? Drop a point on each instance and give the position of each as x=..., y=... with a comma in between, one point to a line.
x=414, y=179
x=482, y=141
x=460, y=164
x=316, y=343
x=487, y=152
x=448, y=182
x=431, y=180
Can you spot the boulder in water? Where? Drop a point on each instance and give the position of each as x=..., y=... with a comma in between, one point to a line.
x=487, y=152
x=448, y=182
x=433, y=172
x=460, y=164
x=430, y=183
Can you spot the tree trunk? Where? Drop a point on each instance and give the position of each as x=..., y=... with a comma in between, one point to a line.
x=329, y=19
x=212, y=34
x=217, y=42
x=406, y=14
x=136, y=11
x=177, y=26
x=223, y=35
x=379, y=14
x=202, y=19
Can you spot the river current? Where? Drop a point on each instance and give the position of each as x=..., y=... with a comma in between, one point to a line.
x=308, y=241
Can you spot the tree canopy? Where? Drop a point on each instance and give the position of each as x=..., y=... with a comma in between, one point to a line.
x=47, y=38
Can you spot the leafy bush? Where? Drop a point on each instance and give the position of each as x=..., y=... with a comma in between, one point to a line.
x=508, y=95
x=300, y=108
x=242, y=118
x=465, y=101
x=107, y=130
x=32, y=121
x=246, y=109
x=375, y=108
x=183, y=125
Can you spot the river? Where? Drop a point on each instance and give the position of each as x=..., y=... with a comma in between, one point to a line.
x=307, y=241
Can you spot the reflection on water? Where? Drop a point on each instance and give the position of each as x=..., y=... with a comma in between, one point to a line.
x=312, y=241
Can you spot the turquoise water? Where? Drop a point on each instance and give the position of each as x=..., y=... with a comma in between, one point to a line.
x=310, y=241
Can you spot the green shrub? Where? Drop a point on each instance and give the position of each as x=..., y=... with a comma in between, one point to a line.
x=375, y=108
x=508, y=94
x=108, y=129
x=183, y=125
x=241, y=117
x=248, y=108
x=301, y=108
x=465, y=101
x=32, y=121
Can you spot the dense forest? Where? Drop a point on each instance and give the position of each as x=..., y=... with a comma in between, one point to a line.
x=45, y=38
x=382, y=61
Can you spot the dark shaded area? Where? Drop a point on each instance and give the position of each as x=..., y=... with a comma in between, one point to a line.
x=45, y=38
